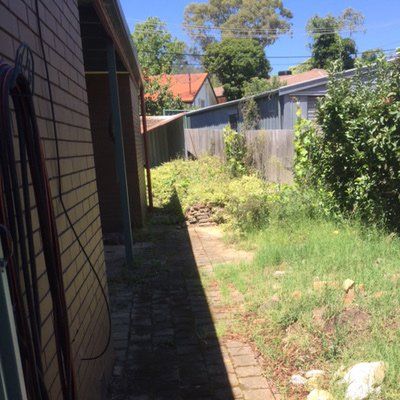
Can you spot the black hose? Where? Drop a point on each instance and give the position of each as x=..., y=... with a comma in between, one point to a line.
x=13, y=83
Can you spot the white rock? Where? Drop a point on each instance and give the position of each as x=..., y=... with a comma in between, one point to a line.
x=348, y=284
x=318, y=394
x=364, y=379
x=279, y=273
x=298, y=380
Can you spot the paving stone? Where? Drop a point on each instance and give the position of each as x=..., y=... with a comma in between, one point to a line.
x=173, y=352
x=244, y=360
x=259, y=394
x=251, y=370
x=253, y=382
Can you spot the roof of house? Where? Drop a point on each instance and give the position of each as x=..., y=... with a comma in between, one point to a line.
x=315, y=73
x=155, y=121
x=185, y=86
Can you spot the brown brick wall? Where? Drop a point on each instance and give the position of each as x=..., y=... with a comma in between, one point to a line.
x=100, y=115
x=87, y=316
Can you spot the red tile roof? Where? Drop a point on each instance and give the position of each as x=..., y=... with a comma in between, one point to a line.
x=185, y=86
x=303, y=76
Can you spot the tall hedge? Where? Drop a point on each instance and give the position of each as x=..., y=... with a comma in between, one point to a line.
x=352, y=152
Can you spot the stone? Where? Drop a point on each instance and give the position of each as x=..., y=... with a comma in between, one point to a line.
x=297, y=294
x=277, y=274
x=298, y=380
x=319, y=394
x=364, y=379
x=348, y=284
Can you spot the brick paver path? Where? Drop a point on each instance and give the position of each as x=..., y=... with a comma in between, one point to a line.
x=164, y=323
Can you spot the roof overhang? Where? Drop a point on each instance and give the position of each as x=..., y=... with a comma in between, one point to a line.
x=108, y=23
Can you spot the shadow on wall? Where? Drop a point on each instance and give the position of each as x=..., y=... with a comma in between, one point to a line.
x=172, y=351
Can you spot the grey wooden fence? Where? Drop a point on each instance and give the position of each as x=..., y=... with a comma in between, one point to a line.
x=271, y=152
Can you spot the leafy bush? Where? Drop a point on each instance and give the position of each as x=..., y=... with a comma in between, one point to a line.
x=353, y=153
x=235, y=151
x=246, y=201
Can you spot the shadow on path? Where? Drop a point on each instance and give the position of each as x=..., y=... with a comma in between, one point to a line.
x=163, y=332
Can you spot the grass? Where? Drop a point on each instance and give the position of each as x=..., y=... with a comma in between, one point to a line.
x=301, y=317
x=298, y=327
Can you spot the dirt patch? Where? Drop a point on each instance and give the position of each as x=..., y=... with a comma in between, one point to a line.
x=353, y=319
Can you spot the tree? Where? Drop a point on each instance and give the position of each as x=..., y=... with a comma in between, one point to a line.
x=259, y=85
x=327, y=43
x=159, y=98
x=234, y=62
x=371, y=55
x=264, y=20
x=158, y=51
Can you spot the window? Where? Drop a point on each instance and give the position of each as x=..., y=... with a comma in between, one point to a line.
x=233, y=121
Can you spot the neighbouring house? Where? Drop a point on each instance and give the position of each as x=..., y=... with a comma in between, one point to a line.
x=165, y=137
x=95, y=81
x=195, y=89
x=286, y=78
x=277, y=108
x=220, y=94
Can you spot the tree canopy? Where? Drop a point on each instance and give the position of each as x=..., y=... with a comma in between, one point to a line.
x=158, y=51
x=263, y=20
x=159, y=98
x=259, y=85
x=327, y=43
x=234, y=62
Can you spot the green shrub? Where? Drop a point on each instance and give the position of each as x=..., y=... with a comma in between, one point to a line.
x=235, y=151
x=353, y=155
x=246, y=201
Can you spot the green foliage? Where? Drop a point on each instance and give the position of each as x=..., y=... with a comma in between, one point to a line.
x=158, y=51
x=250, y=114
x=302, y=67
x=236, y=18
x=159, y=97
x=244, y=201
x=258, y=85
x=327, y=45
x=353, y=154
x=234, y=62
x=235, y=151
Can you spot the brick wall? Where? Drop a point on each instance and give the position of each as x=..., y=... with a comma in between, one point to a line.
x=100, y=113
x=87, y=316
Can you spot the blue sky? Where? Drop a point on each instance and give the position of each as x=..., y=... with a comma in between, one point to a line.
x=382, y=23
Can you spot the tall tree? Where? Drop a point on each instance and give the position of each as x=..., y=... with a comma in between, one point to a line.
x=263, y=20
x=234, y=62
x=159, y=52
x=327, y=44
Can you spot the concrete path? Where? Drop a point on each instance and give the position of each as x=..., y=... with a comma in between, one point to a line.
x=164, y=323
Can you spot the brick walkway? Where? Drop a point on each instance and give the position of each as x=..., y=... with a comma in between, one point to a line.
x=164, y=323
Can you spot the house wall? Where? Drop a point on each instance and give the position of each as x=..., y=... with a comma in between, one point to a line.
x=86, y=307
x=206, y=96
x=218, y=118
x=104, y=151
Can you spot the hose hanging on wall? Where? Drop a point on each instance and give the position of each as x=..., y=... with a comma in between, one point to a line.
x=15, y=215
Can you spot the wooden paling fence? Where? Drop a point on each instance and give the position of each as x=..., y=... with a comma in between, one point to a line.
x=271, y=151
